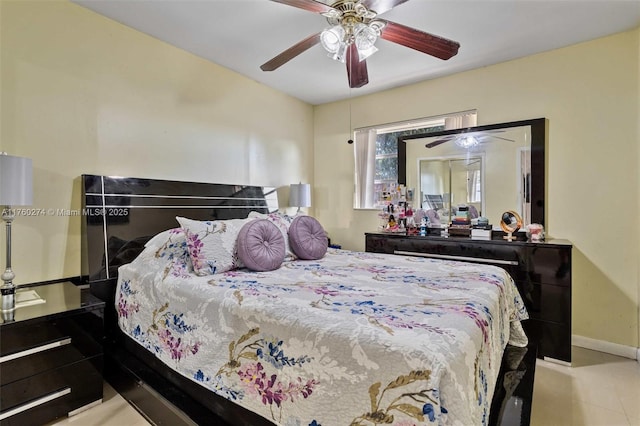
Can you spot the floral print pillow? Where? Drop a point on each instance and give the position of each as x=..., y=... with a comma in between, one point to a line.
x=282, y=221
x=212, y=244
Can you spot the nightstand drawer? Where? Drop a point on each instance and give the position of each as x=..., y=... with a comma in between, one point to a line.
x=25, y=335
x=51, y=394
x=54, y=355
x=43, y=345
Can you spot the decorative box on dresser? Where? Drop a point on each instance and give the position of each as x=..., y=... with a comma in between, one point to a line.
x=541, y=271
x=50, y=354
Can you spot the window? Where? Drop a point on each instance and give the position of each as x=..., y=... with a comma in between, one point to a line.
x=376, y=155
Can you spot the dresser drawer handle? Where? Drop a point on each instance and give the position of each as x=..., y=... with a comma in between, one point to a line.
x=450, y=257
x=35, y=350
x=24, y=407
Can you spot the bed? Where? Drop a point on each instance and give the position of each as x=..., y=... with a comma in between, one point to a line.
x=351, y=338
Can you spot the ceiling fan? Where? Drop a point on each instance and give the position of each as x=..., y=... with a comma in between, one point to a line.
x=468, y=140
x=354, y=29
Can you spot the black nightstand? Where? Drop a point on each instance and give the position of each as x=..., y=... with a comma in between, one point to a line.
x=51, y=355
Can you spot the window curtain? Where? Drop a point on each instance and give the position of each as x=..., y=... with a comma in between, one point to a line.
x=365, y=158
x=460, y=121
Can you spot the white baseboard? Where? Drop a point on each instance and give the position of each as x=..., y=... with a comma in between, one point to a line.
x=607, y=347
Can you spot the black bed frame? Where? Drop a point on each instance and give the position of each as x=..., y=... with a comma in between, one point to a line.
x=119, y=216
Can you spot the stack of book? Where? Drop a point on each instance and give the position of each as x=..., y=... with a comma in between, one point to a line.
x=461, y=222
x=481, y=230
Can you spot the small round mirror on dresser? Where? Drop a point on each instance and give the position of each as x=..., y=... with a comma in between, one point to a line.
x=510, y=222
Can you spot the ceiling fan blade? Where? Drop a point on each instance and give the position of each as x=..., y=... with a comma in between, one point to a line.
x=498, y=137
x=436, y=143
x=419, y=40
x=356, y=69
x=382, y=6
x=291, y=53
x=310, y=5
x=486, y=134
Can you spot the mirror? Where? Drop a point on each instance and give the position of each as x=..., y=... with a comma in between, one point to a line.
x=492, y=169
x=445, y=182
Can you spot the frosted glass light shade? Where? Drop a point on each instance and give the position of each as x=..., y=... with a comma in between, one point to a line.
x=332, y=38
x=365, y=53
x=467, y=142
x=16, y=181
x=365, y=37
x=300, y=195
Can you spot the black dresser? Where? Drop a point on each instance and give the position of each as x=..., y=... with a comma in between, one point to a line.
x=51, y=354
x=541, y=271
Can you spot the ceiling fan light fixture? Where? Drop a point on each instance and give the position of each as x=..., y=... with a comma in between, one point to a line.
x=467, y=142
x=365, y=53
x=332, y=38
x=365, y=38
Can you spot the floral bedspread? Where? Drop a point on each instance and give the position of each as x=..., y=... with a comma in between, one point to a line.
x=351, y=339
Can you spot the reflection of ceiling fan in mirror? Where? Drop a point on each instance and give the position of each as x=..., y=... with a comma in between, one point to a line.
x=354, y=29
x=469, y=140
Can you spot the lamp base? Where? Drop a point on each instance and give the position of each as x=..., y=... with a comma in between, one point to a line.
x=8, y=289
x=8, y=294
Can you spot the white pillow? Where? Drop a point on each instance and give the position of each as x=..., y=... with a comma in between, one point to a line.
x=212, y=244
x=282, y=221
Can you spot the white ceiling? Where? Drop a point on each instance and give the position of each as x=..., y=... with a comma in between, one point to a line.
x=243, y=34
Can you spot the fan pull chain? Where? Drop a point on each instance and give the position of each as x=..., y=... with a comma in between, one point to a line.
x=350, y=141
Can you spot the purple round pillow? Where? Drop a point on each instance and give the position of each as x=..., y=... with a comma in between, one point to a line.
x=307, y=238
x=261, y=245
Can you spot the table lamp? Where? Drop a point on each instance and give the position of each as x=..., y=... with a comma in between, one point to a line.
x=300, y=195
x=16, y=189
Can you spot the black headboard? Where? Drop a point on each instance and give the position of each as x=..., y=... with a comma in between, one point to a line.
x=121, y=214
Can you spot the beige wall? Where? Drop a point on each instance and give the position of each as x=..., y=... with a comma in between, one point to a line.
x=83, y=94
x=589, y=93
x=638, y=200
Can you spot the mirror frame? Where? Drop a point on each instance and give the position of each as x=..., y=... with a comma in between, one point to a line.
x=538, y=142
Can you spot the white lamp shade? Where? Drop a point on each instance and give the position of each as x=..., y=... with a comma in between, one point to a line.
x=300, y=195
x=16, y=181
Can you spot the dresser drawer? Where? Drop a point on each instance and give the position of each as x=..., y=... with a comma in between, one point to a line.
x=553, y=340
x=496, y=254
x=546, y=302
x=51, y=394
x=25, y=335
x=549, y=265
